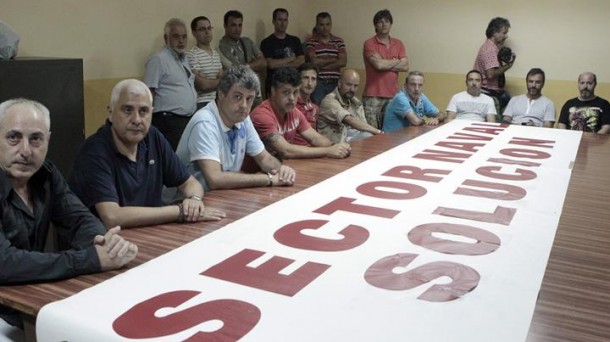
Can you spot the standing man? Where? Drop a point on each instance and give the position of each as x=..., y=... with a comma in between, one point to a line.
x=278, y=123
x=471, y=104
x=171, y=81
x=220, y=135
x=34, y=195
x=238, y=50
x=120, y=171
x=488, y=63
x=281, y=49
x=204, y=61
x=327, y=52
x=410, y=107
x=531, y=109
x=309, y=78
x=384, y=57
x=587, y=112
x=341, y=116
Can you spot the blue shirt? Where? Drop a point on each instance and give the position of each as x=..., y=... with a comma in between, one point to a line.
x=395, y=116
x=102, y=174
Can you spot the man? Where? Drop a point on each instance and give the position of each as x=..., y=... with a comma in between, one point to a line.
x=384, y=57
x=531, y=109
x=120, y=171
x=341, y=116
x=220, y=135
x=309, y=78
x=238, y=50
x=327, y=52
x=281, y=49
x=587, y=112
x=410, y=107
x=471, y=104
x=169, y=77
x=488, y=63
x=33, y=195
x=204, y=61
x=278, y=123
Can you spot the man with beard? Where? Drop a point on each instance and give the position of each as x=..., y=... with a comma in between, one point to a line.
x=587, y=112
x=341, y=116
x=488, y=63
x=217, y=139
x=120, y=171
x=278, y=122
x=411, y=107
x=309, y=78
x=531, y=109
x=204, y=61
x=171, y=81
x=471, y=104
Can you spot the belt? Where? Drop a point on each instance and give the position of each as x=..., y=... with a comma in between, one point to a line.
x=165, y=113
x=328, y=81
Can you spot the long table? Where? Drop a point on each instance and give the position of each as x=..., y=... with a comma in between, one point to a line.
x=574, y=302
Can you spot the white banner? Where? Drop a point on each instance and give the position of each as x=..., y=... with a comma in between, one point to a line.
x=444, y=238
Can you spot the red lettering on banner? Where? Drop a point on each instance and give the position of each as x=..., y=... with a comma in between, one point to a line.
x=414, y=172
x=468, y=147
x=501, y=215
x=513, y=162
x=443, y=156
x=468, y=136
x=463, y=278
x=506, y=192
x=407, y=190
x=489, y=130
x=346, y=204
x=141, y=321
x=523, y=153
x=265, y=277
x=291, y=235
x=492, y=172
x=533, y=142
x=486, y=242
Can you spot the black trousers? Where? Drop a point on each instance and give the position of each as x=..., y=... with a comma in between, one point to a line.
x=171, y=125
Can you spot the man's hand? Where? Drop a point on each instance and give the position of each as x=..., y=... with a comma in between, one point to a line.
x=341, y=150
x=193, y=209
x=114, y=251
x=212, y=214
x=284, y=176
x=431, y=121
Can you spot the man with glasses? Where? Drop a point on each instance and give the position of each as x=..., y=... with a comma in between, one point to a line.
x=204, y=61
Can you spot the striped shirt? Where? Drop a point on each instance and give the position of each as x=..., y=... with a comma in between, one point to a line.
x=330, y=50
x=209, y=65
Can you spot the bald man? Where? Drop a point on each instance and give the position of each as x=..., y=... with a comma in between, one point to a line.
x=341, y=116
x=587, y=112
x=120, y=171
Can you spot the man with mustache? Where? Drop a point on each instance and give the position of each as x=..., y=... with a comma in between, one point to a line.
x=531, y=109
x=120, y=171
x=171, y=81
x=219, y=136
x=587, y=112
x=279, y=122
x=34, y=195
x=472, y=104
x=309, y=80
x=341, y=116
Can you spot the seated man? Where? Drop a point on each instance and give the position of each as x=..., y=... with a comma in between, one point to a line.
x=120, y=171
x=34, y=195
x=587, y=112
x=341, y=116
x=309, y=79
x=278, y=122
x=531, y=109
x=471, y=104
x=220, y=135
x=410, y=107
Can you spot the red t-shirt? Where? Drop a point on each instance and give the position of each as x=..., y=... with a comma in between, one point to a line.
x=267, y=123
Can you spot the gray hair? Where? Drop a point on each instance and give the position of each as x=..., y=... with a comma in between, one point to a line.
x=171, y=23
x=135, y=87
x=4, y=107
x=241, y=75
